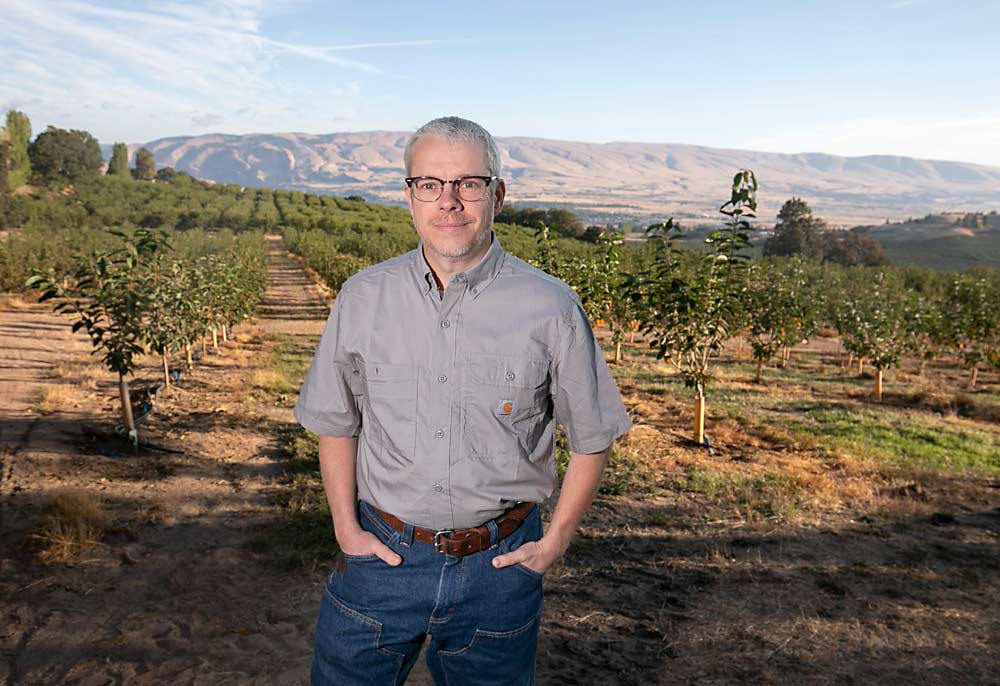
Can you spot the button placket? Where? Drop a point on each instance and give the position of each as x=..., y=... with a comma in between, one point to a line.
x=442, y=361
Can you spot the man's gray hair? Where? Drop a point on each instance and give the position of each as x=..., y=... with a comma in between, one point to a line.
x=455, y=130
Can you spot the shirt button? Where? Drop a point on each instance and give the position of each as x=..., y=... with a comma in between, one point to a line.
x=475, y=290
x=438, y=487
x=510, y=376
x=442, y=378
x=445, y=324
x=439, y=433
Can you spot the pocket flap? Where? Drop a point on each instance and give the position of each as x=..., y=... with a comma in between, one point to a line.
x=514, y=372
x=384, y=371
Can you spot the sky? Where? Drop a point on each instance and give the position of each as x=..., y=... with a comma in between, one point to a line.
x=906, y=77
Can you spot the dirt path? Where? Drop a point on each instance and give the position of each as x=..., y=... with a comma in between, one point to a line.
x=172, y=596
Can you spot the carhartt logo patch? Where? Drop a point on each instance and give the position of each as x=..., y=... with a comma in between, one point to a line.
x=505, y=407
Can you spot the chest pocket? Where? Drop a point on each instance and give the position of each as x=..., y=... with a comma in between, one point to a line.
x=392, y=404
x=505, y=402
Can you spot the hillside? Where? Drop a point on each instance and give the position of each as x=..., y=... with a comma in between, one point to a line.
x=604, y=182
x=950, y=241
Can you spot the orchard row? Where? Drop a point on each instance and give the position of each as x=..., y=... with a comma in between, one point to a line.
x=146, y=296
x=687, y=304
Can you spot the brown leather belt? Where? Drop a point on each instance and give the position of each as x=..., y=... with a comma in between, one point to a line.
x=464, y=541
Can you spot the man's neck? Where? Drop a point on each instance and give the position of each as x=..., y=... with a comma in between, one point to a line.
x=443, y=268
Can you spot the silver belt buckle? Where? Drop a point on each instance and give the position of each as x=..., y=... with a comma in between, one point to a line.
x=437, y=538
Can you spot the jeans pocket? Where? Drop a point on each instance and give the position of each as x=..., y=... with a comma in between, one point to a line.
x=495, y=657
x=529, y=531
x=505, y=548
x=530, y=572
x=348, y=647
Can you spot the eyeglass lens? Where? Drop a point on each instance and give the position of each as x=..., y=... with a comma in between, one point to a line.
x=470, y=189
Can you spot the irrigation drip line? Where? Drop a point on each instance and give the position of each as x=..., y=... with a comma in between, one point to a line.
x=145, y=403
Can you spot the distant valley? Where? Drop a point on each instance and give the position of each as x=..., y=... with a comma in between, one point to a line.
x=613, y=182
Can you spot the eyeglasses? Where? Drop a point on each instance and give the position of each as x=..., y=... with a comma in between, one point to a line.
x=469, y=188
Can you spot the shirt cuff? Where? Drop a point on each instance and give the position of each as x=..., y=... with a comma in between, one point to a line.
x=324, y=426
x=599, y=442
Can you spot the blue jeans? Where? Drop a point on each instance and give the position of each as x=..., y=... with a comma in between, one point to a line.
x=483, y=622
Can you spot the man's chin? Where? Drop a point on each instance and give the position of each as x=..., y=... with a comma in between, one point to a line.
x=458, y=252
x=453, y=254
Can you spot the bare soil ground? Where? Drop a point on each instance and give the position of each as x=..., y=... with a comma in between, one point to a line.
x=712, y=575
x=171, y=595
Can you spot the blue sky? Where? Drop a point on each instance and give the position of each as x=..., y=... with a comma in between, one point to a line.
x=908, y=77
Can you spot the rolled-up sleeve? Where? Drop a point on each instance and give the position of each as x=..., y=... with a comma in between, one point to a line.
x=328, y=403
x=586, y=400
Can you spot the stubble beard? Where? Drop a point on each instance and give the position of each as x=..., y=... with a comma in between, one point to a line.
x=464, y=251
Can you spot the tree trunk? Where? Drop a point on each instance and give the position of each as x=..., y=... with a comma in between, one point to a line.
x=861, y=366
x=126, y=403
x=975, y=376
x=190, y=360
x=631, y=337
x=204, y=344
x=699, y=419
x=878, y=384
x=618, y=352
x=166, y=369
x=215, y=339
x=225, y=337
x=850, y=360
x=760, y=370
x=923, y=368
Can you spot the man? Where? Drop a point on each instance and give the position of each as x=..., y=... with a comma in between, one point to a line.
x=435, y=390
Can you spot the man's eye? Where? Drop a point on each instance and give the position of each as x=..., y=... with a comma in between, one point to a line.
x=472, y=183
x=427, y=185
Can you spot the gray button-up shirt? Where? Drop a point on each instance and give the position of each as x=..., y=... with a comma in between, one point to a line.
x=455, y=398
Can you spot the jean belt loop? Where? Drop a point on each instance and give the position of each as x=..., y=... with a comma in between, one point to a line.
x=407, y=535
x=494, y=532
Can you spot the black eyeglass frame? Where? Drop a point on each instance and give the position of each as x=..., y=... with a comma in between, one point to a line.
x=410, y=179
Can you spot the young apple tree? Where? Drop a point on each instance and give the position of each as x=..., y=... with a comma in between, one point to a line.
x=690, y=312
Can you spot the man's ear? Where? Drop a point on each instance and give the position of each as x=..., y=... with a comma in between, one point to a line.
x=499, y=196
x=409, y=198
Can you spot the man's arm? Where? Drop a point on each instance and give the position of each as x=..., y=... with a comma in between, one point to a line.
x=337, y=463
x=579, y=487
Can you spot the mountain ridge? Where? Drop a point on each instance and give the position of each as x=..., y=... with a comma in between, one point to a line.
x=612, y=181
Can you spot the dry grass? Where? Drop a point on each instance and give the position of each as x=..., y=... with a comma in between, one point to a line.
x=74, y=521
x=86, y=375
x=269, y=380
x=12, y=302
x=56, y=399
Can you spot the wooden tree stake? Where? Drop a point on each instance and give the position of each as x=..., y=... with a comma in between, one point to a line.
x=166, y=370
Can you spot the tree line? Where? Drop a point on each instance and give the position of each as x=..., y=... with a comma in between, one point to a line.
x=60, y=156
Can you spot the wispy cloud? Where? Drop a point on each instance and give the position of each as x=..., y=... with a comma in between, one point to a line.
x=202, y=63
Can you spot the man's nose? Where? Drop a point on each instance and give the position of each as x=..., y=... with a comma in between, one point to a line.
x=449, y=197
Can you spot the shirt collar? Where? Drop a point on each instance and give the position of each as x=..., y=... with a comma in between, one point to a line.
x=478, y=277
